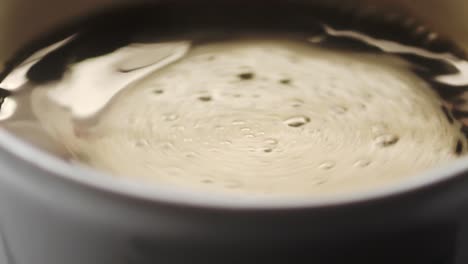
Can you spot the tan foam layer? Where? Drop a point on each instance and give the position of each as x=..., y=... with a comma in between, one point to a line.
x=270, y=117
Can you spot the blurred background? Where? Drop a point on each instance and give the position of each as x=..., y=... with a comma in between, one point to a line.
x=24, y=20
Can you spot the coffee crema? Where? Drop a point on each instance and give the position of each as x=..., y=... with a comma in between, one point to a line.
x=309, y=106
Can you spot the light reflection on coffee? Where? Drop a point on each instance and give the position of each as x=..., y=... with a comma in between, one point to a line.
x=252, y=112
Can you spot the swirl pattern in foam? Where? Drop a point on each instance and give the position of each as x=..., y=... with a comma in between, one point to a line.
x=264, y=116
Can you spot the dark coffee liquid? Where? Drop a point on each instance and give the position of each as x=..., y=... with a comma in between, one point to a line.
x=283, y=100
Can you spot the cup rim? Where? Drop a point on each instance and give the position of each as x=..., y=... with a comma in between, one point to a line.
x=104, y=182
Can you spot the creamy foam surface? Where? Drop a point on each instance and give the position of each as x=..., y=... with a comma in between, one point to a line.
x=257, y=117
